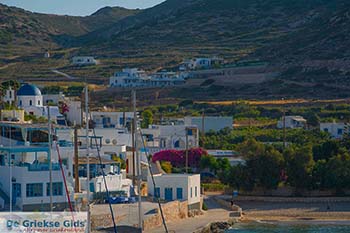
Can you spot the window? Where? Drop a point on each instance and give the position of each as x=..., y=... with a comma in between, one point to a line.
x=195, y=191
x=325, y=129
x=30, y=102
x=57, y=189
x=340, y=131
x=157, y=192
x=34, y=190
x=179, y=195
x=191, y=192
x=20, y=103
x=38, y=102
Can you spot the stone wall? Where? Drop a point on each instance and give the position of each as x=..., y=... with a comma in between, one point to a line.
x=172, y=211
x=286, y=192
x=236, y=211
x=287, y=199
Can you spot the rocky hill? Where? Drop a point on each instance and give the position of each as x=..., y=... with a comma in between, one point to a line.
x=306, y=41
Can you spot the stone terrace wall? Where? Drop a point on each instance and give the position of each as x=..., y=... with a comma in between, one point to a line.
x=172, y=211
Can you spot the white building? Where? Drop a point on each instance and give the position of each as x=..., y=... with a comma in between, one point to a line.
x=30, y=99
x=292, y=122
x=9, y=96
x=75, y=114
x=24, y=168
x=201, y=63
x=84, y=61
x=336, y=130
x=139, y=78
x=210, y=123
x=112, y=119
x=53, y=98
x=166, y=137
x=182, y=187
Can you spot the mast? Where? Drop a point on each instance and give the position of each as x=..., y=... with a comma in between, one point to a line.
x=50, y=155
x=138, y=162
x=87, y=156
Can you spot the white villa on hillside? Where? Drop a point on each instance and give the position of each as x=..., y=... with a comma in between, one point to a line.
x=200, y=63
x=139, y=78
x=336, y=130
x=84, y=61
x=292, y=122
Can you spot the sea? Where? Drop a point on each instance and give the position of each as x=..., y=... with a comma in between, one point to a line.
x=293, y=228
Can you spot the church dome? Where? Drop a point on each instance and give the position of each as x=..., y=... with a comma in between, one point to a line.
x=29, y=90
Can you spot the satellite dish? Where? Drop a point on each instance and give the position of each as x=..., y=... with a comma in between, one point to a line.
x=114, y=141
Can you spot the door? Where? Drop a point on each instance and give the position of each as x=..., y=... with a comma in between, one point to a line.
x=168, y=194
x=179, y=195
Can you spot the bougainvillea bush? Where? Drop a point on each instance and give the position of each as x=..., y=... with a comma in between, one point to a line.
x=177, y=158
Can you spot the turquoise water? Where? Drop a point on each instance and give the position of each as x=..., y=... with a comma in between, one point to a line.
x=272, y=228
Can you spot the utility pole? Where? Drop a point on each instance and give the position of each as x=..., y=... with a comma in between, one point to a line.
x=203, y=119
x=76, y=161
x=87, y=156
x=133, y=152
x=186, y=150
x=284, y=124
x=50, y=155
x=138, y=162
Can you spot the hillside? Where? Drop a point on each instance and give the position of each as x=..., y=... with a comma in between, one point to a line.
x=305, y=43
x=23, y=28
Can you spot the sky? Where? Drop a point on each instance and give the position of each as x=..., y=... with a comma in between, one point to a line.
x=77, y=7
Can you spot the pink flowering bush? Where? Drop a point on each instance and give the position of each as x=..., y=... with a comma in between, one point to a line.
x=177, y=158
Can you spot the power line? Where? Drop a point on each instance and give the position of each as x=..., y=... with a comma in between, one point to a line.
x=153, y=181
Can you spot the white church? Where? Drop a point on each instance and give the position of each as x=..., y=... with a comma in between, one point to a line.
x=30, y=99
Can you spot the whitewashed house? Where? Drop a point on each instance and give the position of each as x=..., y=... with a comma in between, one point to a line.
x=292, y=122
x=112, y=119
x=75, y=114
x=200, y=63
x=24, y=168
x=129, y=78
x=84, y=61
x=336, y=130
x=139, y=78
x=182, y=187
x=9, y=96
x=210, y=123
x=166, y=137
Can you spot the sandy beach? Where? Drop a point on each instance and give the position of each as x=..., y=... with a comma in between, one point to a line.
x=295, y=211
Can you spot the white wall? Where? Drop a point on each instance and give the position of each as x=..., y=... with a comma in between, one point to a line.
x=336, y=130
x=25, y=100
x=23, y=176
x=174, y=181
x=210, y=123
x=75, y=114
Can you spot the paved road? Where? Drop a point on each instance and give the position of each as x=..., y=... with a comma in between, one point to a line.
x=215, y=213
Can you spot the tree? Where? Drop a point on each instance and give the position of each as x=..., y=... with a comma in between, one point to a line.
x=299, y=164
x=266, y=167
x=313, y=119
x=147, y=118
x=208, y=162
x=338, y=172
x=326, y=150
